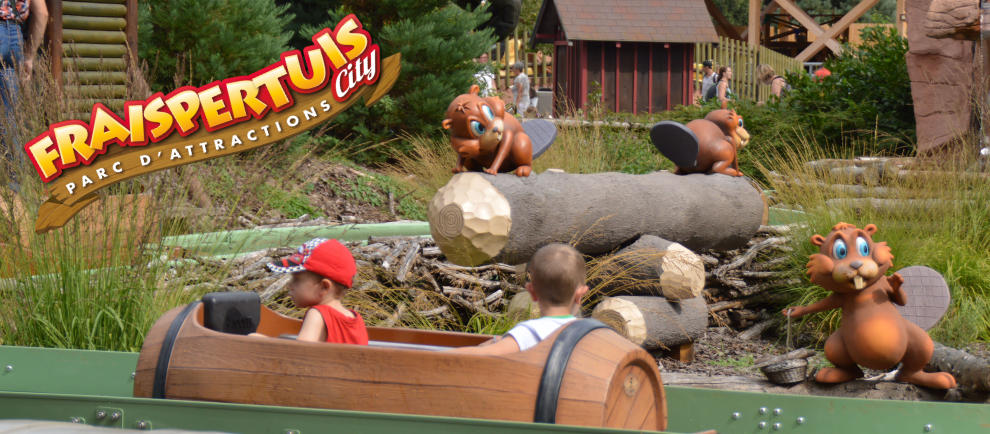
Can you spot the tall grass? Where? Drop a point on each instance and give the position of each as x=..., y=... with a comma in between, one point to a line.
x=100, y=281
x=936, y=215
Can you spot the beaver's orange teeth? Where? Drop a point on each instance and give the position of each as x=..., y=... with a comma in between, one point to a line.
x=858, y=282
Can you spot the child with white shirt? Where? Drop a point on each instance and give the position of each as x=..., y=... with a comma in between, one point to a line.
x=556, y=283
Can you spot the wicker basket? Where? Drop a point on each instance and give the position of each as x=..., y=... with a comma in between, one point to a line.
x=786, y=372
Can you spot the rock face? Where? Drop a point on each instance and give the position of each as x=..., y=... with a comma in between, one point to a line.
x=941, y=72
x=957, y=19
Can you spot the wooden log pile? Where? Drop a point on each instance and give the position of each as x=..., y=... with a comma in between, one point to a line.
x=401, y=281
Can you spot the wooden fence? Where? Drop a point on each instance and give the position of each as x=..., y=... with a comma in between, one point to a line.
x=538, y=67
x=742, y=58
x=90, y=43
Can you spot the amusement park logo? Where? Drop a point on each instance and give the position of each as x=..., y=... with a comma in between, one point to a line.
x=225, y=117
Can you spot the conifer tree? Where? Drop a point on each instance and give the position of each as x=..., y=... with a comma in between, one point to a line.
x=197, y=41
x=438, y=43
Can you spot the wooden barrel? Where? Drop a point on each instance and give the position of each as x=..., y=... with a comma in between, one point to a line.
x=600, y=378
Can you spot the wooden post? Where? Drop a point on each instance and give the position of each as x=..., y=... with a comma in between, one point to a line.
x=753, y=37
x=900, y=19
x=839, y=27
x=722, y=25
x=54, y=34
x=809, y=23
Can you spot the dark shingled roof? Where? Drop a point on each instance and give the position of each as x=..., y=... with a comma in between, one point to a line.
x=633, y=20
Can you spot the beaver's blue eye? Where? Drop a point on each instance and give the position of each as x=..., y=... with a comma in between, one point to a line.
x=488, y=112
x=477, y=128
x=863, y=246
x=740, y=123
x=839, y=249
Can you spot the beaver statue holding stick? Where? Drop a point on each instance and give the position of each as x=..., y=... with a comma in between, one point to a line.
x=485, y=137
x=873, y=333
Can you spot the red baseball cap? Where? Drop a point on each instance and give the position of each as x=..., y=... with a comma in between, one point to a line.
x=328, y=258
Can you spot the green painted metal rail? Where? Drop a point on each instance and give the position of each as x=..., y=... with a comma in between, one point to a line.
x=54, y=384
x=231, y=242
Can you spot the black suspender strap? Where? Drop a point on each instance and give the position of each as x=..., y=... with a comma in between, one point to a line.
x=556, y=365
x=165, y=353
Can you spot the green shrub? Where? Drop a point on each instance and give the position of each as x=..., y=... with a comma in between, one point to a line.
x=197, y=41
x=438, y=42
x=868, y=93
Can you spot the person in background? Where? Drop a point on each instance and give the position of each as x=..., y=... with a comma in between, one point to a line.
x=520, y=88
x=709, y=78
x=722, y=87
x=778, y=85
x=484, y=76
x=17, y=63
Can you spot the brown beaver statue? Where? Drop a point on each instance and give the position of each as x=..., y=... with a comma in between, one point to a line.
x=872, y=333
x=485, y=137
x=708, y=145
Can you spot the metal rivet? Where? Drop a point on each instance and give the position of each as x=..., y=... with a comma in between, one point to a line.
x=736, y=416
x=115, y=416
x=100, y=414
x=762, y=424
x=8, y=368
x=800, y=420
x=76, y=419
x=133, y=374
x=776, y=426
x=142, y=424
x=777, y=411
x=763, y=410
x=929, y=428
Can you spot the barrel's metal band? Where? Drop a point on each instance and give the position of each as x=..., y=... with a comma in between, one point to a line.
x=556, y=366
x=165, y=354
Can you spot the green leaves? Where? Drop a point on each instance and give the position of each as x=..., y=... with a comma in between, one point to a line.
x=197, y=41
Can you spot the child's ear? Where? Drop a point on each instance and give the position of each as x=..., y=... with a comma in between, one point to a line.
x=532, y=292
x=579, y=293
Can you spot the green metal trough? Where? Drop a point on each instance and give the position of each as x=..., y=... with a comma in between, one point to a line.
x=79, y=385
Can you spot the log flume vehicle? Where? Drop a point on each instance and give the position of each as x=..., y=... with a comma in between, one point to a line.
x=586, y=373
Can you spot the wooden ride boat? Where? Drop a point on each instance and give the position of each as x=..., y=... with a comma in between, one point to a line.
x=584, y=374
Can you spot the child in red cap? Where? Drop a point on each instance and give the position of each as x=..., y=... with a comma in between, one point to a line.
x=322, y=271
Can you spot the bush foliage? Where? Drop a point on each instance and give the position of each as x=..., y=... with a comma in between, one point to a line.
x=193, y=42
x=437, y=41
x=868, y=92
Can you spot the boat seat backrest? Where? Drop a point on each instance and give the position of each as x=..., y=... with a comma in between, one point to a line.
x=232, y=312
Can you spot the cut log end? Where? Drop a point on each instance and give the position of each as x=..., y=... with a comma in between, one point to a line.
x=469, y=219
x=654, y=322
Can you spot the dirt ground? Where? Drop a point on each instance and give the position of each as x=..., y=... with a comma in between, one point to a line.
x=723, y=361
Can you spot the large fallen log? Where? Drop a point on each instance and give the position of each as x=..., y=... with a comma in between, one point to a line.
x=653, y=266
x=971, y=372
x=654, y=322
x=478, y=217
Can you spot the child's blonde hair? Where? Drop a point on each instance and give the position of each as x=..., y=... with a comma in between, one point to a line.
x=556, y=271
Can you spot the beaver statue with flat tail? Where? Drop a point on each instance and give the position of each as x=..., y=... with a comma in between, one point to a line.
x=485, y=137
x=873, y=333
x=708, y=145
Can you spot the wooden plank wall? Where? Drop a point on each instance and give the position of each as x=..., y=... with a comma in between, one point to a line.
x=742, y=58
x=637, y=77
x=91, y=43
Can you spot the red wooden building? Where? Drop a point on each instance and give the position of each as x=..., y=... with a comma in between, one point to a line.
x=641, y=52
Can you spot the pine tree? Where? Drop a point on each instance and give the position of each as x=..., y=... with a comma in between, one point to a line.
x=437, y=41
x=197, y=41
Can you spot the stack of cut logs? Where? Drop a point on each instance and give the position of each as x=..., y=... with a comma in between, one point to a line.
x=403, y=281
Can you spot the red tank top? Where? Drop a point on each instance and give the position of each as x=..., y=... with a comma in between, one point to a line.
x=341, y=329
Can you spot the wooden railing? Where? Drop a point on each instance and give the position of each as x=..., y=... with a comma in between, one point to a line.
x=537, y=66
x=743, y=59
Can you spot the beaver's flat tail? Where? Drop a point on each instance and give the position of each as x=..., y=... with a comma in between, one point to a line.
x=676, y=142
